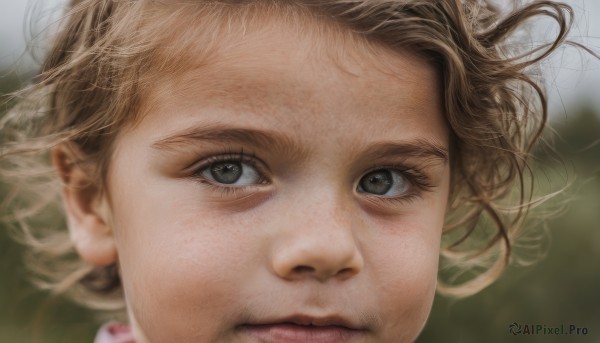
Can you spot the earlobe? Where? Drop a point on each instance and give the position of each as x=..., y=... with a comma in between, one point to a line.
x=86, y=209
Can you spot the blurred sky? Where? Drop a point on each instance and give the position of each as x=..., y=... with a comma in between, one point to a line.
x=571, y=76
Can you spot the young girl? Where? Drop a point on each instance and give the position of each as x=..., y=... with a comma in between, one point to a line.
x=274, y=171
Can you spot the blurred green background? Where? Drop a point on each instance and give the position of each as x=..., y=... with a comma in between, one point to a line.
x=561, y=289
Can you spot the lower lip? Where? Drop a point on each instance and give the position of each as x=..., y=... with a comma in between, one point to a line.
x=292, y=333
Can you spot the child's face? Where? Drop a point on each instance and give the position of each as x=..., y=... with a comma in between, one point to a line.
x=328, y=228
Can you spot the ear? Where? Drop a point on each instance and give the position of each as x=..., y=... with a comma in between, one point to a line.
x=86, y=209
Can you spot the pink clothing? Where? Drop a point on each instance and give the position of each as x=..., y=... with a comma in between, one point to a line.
x=114, y=333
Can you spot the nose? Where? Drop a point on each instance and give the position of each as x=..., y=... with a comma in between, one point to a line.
x=320, y=246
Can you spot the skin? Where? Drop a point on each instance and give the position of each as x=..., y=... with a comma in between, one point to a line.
x=201, y=265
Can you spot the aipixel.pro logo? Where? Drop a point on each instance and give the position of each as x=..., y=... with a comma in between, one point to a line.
x=546, y=330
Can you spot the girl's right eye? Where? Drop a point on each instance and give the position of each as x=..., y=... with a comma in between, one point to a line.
x=232, y=172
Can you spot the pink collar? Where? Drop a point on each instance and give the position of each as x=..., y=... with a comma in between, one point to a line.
x=114, y=333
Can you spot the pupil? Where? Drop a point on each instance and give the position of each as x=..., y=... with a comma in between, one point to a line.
x=227, y=172
x=378, y=182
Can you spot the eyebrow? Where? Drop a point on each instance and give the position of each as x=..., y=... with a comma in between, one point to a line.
x=286, y=146
x=220, y=134
x=417, y=148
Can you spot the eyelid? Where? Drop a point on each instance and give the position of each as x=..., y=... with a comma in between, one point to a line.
x=414, y=175
x=199, y=166
x=418, y=180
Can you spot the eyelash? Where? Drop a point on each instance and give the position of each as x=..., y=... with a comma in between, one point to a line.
x=228, y=156
x=417, y=179
x=419, y=183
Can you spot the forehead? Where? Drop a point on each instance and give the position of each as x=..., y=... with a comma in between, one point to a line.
x=220, y=40
x=237, y=64
x=291, y=67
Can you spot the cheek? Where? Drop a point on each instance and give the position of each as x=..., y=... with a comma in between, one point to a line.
x=172, y=255
x=405, y=263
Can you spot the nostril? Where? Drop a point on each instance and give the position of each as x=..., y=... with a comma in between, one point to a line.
x=346, y=273
x=314, y=259
x=308, y=270
x=304, y=270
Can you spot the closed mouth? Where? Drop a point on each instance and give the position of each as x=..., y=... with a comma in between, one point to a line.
x=304, y=329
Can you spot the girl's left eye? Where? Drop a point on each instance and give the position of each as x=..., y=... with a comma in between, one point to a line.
x=388, y=182
x=232, y=173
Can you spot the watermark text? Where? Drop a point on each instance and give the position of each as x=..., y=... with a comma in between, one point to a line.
x=529, y=329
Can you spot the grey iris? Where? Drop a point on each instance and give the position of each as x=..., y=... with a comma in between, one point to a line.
x=377, y=182
x=226, y=172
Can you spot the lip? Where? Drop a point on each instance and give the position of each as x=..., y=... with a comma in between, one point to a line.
x=301, y=328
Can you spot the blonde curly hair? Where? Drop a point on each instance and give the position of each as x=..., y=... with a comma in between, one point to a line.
x=108, y=52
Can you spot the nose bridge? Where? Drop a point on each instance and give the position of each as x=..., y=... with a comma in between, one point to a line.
x=319, y=240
